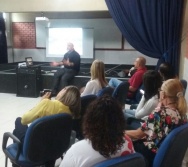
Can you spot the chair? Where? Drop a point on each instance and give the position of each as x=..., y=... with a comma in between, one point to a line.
x=184, y=83
x=85, y=101
x=46, y=140
x=173, y=148
x=77, y=123
x=120, y=92
x=105, y=91
x=131, y=160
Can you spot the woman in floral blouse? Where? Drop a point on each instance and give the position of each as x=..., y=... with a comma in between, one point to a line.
x=170, y=113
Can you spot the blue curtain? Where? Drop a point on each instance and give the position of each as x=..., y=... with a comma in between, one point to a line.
x=3, y=41
x=153, y=27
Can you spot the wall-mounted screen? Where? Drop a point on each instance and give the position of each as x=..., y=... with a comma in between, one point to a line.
x=57, y=39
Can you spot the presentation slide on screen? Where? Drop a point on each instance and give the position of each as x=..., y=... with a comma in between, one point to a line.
x=57, y=39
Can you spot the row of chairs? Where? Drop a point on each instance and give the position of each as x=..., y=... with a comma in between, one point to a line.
x=119, y=93
x=48, y=138
x=51, y=131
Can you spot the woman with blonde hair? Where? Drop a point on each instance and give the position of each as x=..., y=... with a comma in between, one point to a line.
x=66, y=101
x=170, y=113
x=97, y=81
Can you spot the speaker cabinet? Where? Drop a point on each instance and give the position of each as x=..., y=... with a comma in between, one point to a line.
x=28, y=81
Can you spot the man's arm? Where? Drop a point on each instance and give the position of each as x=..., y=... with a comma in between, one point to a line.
x=132, y=89
x=57, y=63
x=69, y=63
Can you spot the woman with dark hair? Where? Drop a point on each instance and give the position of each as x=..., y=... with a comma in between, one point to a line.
x=103, y=128
x=166, y=71
x=151, y=82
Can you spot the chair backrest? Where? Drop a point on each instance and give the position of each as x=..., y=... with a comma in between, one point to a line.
x=47, y=138
x=173, y=148
x=184, y=83
x=131, y=160
x=105, y=91
x=121, y=91
x=85, y=101
x=77, y=123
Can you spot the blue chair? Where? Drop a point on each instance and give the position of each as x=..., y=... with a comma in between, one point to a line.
x=173, y=148
x=105, y=91
x=132, y=160
x=120, y=92
x=46, y=140
x=77, y=123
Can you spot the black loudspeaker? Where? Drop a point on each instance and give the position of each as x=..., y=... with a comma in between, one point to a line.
x=28, y=81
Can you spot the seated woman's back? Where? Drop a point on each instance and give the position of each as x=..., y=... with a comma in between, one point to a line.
x=152, y=82
x=97, y=81
x=103, y=128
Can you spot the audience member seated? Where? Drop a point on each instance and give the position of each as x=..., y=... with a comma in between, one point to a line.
x=152, y=82
x=136, y=80
x=103, y=128
x=66, y=101
x=166, y=71
x=97, y=81
x=170, y=113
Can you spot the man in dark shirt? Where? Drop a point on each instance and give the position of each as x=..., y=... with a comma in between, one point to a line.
x=71, y=63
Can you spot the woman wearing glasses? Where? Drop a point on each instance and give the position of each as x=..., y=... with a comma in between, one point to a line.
x=170, y=113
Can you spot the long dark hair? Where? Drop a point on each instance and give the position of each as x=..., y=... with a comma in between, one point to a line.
x=152, y=82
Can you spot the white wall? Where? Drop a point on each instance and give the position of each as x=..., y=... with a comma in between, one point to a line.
x=184, y=48
x=52, y=5
x=107, y=41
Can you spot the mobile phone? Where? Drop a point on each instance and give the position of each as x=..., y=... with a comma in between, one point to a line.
x=44, y=91
x=142, y=91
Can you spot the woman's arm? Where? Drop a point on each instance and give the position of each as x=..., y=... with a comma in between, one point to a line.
x=135, y=134
x=146, y=108
x=34, y=113
x=141, y=103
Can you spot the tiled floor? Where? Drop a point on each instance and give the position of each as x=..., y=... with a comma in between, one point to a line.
x=10, y=108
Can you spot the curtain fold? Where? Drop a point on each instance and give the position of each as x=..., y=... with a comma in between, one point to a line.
x=152, y=27
x=3, y=41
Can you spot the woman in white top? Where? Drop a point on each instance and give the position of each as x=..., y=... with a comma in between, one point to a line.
x=152, y=81
x=97, y=81
x=103, y=128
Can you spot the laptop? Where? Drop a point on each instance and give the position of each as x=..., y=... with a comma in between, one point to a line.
x=29, y=61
